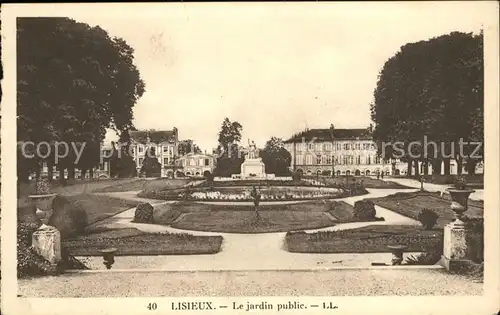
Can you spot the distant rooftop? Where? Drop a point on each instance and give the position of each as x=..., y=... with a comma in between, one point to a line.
x=156, y=136
x=325, y=135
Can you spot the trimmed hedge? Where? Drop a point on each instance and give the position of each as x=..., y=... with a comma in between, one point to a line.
x=364, y=210
x=144, y=213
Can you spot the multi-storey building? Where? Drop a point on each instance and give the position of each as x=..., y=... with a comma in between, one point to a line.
x=343, y=151
x=197, y=164
x=165, y=144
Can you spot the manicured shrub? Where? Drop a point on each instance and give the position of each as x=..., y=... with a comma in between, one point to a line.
x=144, y=213
x=69, y=217
x=364, y=210
x=428, y=218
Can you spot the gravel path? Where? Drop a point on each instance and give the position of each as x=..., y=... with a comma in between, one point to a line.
x=253, y=283
x=263, y=251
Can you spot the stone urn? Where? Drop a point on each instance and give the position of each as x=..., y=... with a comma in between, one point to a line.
x=459, y=197
x=43, y=200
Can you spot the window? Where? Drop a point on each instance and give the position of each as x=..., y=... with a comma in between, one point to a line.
x=165, y=149
x=339, y=146
x=309, y=160
x=207, y=162
x=358, y=160
x=165, y=161
x=327, y=147
x=140, y=161
x=346, y=146
x=318, y=146
x=358, y=146
x=377, y=159
x=310, y=146
x=346, y=160
x=140, y=148
x=368, y=160
x=300, y=160
x=328, y=159
x=318, y=159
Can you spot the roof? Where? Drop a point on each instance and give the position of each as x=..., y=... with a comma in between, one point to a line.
x=325, y=135
x=156, y=136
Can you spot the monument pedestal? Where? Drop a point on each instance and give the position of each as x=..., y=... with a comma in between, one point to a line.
x=47, y=243
x=253, y=168
x=455, y=247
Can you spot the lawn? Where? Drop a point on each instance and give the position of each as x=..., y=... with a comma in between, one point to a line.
x=410, y=205
x=367, y=239
x=144, y=184
x=368, y=182
x=132, y=242
x=241, y=218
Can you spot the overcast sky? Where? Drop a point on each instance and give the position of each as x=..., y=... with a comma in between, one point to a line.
x=274, y=68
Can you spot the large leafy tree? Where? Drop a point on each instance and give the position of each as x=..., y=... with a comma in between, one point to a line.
x=187, y=146
x=74, y=81
x=150, y=166
x=432, y=88
x=229, y=156
x=276, y=158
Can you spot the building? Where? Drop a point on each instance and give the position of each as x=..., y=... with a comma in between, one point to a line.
x=165, y=143
x=196, y=164
x=343, y=151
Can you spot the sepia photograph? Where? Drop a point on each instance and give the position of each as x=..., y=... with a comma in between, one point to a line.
x=250, y=157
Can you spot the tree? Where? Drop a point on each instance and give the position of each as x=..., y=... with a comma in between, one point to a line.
x=431, y=88
x=74, y=81
x=150, y=166
x=276, y=158
x=229, y=154
x=187, y=146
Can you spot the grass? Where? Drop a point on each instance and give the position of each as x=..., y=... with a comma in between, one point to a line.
x=132, y=242
x=410, y=205
x=369, y=239
x=97, y=207
x=368, y=182
x=473, y=181
x=241, y=218
x=143, y=184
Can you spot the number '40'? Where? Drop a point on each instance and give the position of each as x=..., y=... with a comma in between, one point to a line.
x=152, y=306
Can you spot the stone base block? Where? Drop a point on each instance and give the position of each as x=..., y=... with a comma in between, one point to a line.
x=47, y=243
x=453, y=265
x=455, y=245
x=253, y=168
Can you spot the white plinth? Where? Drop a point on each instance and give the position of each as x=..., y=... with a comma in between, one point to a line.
x=253, y=168
x=454, y=246
x=47, y=243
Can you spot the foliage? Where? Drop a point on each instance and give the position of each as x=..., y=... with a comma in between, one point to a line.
x=73, y=82
x=276, y=158
x=144, y=213
x=432, y=88
x=431, y=256
x=364, y=210
x=460, y=182
x=428, y=218
x=150, y=166
x=122, y=164
x=475, y=238
x=297, y=176
x=69, y=217
x=230, y=158
x=29, y=263
x=187, y=146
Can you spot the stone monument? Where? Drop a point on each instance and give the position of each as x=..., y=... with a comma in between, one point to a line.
x=46, y=241
x=252, y=167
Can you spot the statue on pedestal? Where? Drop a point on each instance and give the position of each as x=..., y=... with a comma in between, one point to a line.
x=252, y=150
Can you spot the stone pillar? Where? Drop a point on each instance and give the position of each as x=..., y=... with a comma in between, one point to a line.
x=47, y=243
x=455, y=247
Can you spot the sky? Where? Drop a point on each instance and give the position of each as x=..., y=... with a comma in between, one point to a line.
x=276, y=69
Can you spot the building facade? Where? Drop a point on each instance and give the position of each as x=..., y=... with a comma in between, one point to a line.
x=165, y=144
x=196, y=164
x=342, y=151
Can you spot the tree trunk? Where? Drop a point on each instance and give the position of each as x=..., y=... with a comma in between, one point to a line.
x=471, y=166
x=436, y=166
x=38, y=170
x=459, y=165
x=83, y=173
x=62, y=180
x=50, y=169
x=91, y=173
x=446, y=166
x=415, y=167
x=426, y=168
x=409, y=163
x=71, y=172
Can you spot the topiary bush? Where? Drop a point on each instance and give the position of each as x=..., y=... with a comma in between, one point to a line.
x=428, y=218
x=69, y=217
x=364, y=210
x=144, y=213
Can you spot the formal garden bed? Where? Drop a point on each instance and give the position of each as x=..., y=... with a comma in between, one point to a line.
x=367, y=239
x=475, y=181
x=366, y=182
x=132, y=242
x=188, y=215
x=412, y=203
